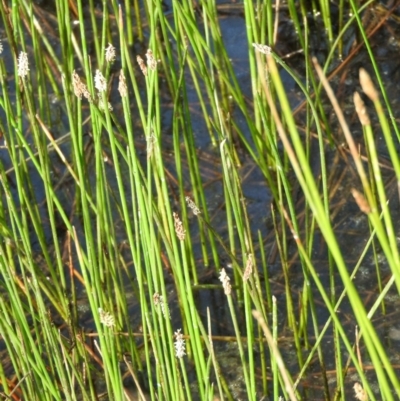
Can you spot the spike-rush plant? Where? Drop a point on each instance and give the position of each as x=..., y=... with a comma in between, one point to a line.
x=171, y=232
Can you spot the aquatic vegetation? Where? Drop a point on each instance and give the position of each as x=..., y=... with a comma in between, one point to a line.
x=190, y=208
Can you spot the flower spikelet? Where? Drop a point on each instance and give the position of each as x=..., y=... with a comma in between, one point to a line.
x=151, y=61
x=179, y=344
x=110, y=53
x=180, y=232
x=79, y=87
x=249, y=268
x=192, y=206
x=368, y=86
x=23, y=65
x=87, y=94
x=142, y=65
x=159, y=301
x=122, y=88
x=106, y=318
x=361, y=109
x=225, y=280
x=360, y=393
x=361, y=201
x=1, y=47
x=100, y=82
x=151, y=143
x=262, y=48
x=101, y=105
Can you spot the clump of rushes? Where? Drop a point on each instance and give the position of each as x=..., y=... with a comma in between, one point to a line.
x=87, y=223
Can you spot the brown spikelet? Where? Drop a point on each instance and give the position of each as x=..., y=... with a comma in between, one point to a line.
x=79, y=87
x=151, y=61
x=249, y=267
x=142, y=65
x=367, y=85
x=180, y=231
x=361, y=201
x=122, y=88
x=361, y=109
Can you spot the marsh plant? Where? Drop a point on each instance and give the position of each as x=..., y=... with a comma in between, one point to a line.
x=133, y=262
